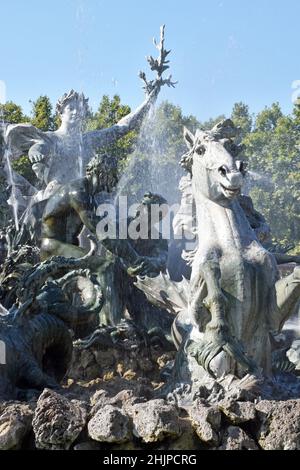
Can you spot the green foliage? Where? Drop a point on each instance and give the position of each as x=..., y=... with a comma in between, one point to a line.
x=210, y=123
x=22, y=166
x=12, y=113
x=272, y=150
x=242, y=118
x=267, y=119
x=42, y=114
x=109, y=112
x=149, y=160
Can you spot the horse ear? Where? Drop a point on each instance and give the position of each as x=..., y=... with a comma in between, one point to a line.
x=188, y=137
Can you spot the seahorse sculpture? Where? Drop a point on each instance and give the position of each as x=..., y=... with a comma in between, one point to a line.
x=234, y=300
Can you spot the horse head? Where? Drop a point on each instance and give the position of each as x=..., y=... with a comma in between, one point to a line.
x=211, y=160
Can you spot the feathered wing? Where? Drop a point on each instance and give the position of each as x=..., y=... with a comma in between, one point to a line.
x=20, y=137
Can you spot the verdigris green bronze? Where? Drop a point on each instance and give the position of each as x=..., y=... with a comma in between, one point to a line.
x=234, y=300
x=37, y=330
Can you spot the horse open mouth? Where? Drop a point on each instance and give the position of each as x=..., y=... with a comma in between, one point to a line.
x=230, y=192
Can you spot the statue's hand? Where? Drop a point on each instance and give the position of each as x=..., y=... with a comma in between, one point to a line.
x=36, y=157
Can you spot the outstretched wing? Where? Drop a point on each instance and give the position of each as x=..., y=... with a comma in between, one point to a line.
x=20, y=137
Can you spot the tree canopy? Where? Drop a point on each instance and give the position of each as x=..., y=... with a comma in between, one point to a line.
x=149, y=160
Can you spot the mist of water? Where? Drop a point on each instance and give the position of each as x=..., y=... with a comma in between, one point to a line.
x=293, y=324
x=253, y=179
x=3, y=310
x=12, y=201
x=131, y=171
x=146, y=170
x=9, y=174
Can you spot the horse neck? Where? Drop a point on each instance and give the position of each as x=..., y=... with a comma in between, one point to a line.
x=225, y=226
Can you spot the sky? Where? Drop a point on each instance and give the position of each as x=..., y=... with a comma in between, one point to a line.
x=223, y=51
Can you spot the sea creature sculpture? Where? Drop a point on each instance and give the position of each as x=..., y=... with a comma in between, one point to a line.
x=234, y=300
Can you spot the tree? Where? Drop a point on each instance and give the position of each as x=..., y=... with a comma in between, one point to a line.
x=241, y=117
x=42, y=114
x=12, y=113
x=272, y=150
x=210, y=123
x=267, y=119
x=149, y=159
x=109, y=112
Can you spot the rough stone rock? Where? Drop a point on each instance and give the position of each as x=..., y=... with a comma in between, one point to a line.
x=87, y=445
x=246, y=389
x=86, y=358
x=280, y=424
x=124, y=399
x=57, y=421
x=155, y=420
x=188, y=440
x=91, y=372
x=105, y=359
x=206, y=421
x=15, y=424
x=165, y=358
x=145, y=364
x=238, y=412
x=100, y=398
x=109, y=424
x=130, y=375
x=235, y=438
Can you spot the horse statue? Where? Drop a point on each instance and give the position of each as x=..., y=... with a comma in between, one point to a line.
x=234, y=300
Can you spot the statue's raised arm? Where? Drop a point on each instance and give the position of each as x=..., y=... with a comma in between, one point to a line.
x=60, y=156
x=104, y=137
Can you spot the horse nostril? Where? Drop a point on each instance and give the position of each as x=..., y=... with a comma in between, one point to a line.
x=236, y=179
x=222, y=170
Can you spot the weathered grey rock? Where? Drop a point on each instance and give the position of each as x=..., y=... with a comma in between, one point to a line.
x=155, y=420
x=110, y=424
x=15, y=424
x=187, y=440
x=105, y=358
x=280, y=424
x=92, y=372
x=125, y=399
x=86, y=358
x=206, y=421
x=87, y=445
x=235, y=438
x=100, y=398
x=57, y=421
x=238, y=412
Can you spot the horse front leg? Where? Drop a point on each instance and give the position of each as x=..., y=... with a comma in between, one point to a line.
x=206, y=292
x=217, y=344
